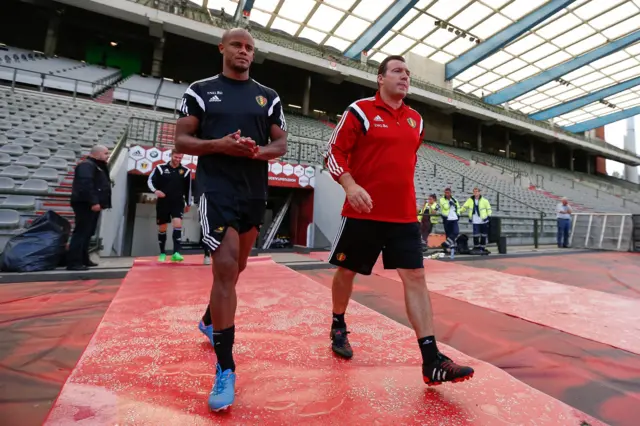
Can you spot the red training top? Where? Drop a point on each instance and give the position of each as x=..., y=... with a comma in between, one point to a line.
x=378, y=146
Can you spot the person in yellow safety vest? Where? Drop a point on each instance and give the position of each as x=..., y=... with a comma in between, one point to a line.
x=479, y=214
x=428, y=219
x=450, y=218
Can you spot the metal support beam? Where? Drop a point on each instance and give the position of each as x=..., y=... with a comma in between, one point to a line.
x=248, y=5
x=566, y=107
x=384, y=23
x=532, y=83
x=503, y=38
x=604, y=120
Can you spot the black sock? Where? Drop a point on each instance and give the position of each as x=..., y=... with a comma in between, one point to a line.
x=223, y=345
x=177, y=240
x=338, y=321
x=428, y=348
x=162, y=241
x=206, y=318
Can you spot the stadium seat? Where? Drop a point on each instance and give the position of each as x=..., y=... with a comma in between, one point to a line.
x=35, y=186
x=9, y=219
x=28, y=161
x=19, y=202
x=24, y=142
x=46, y=173
x=7, y=184
x=12, y=149
x=16, y=172
x=57, y=163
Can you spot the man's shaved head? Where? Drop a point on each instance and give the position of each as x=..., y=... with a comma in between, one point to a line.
x=99, y=152
x=237, y=48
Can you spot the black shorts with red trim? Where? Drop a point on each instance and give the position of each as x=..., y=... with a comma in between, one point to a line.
x=219, y=212
x=359, y=242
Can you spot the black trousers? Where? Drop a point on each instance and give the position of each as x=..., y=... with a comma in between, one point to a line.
x=86, y=224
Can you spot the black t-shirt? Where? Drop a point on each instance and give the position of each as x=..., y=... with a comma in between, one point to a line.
x=223, y=106
x=174, y=182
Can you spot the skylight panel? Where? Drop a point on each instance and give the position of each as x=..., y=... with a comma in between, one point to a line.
x=441, y=57
x=622, y=97
x=455, y=83
x=555, y=59
x=265, y=5
x=351, y=28
x=595, y=7
x=378, y=57
x=524, y=44
x=511, y=66
x=338, y=43
x=371, y=9
x=494, y=3
x=405, y=19
x=519, y=8
x=385, y=38
x=420, y=27
x=498, y=84
x=546, y=103
x=587, y=44
x=491, y=26
x=484, y=79
x=620, y=66
x=597, y=84
x=587, y=79
x=572, y=115
x=628, y=104
x=311, y=34
x=497, y=59
x=561, y=88
x=342, y=4
x=548, y=86
x=445, y=9
x=569, y=94
x=627, y=74
x=422, y=4
x=471, y=73
x=578, y=73
x=538, y=97
x=623, y=28
x=296, y=10
x=398, y=45
x=558, y=26
x=423, y=50
x=470, y=16
x=615, y=15
x=539, y=52
x=593, y=108
x=527, y=110
x=524, y=73
x=260, y=17
x=325, y=18
x=459, y=46
x=285, y=25
x=610, y=59
x=634, y=49
x=228, y=6
x=439, y=38
x=467, y=88
x=579, y=33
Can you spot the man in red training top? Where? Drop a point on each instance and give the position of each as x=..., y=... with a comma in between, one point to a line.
x=372, y=154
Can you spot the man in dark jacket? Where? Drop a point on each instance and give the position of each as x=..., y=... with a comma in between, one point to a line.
x=91, y=194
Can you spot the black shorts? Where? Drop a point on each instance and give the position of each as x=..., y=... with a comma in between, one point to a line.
x=359, y=242
x=168, y=209
x=218, y=212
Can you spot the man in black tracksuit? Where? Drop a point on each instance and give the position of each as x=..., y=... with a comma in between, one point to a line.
x=197, y=195
x=171, y=182
x=91, y=193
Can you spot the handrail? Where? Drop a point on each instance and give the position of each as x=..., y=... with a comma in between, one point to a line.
x=542, y=213
x=516, y=172
x=307, y=48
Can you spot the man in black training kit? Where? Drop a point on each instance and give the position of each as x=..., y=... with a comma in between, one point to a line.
x=171, y=182
x=234, y=125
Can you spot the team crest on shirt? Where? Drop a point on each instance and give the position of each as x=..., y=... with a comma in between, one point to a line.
x=411, y=122
x=181, y=172
x=262, y=101
x=341, y=257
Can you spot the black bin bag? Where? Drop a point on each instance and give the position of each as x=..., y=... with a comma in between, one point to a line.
x=40, y=247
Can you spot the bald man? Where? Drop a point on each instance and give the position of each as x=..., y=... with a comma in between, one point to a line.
x=90, y=194
x=234, y=125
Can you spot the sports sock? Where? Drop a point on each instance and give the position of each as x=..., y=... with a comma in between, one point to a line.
x=223, y=345
x=338, y=321
x=206, y=318
x=428, y=348
x=177, y=240
x=162, y=241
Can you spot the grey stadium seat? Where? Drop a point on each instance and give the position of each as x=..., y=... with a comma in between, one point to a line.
x=57, y=163
x=9, y=219
x=66, y=154
x=24, y=142
x=35, y=186
x=75, y=147
x=3, y=140
x=5, y=126
x=40, y=137
x=15, y=134
x=19, y=202
x=40, y=152
x=46, y=173
x=28, y=161
x=63, y=139
x=7, y=184
x=16, y=172
x=12, y=149
x=5, y=159
x=48, y=144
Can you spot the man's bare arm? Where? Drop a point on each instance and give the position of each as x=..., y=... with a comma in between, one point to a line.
x=278, y=146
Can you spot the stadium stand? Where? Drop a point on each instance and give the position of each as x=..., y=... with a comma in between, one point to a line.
x=33, y=68
x=42, y=138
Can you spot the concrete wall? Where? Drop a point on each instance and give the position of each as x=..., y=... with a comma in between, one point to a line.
x=327, y=206
x=427, y=70
x=145, y=230
x=112, y=221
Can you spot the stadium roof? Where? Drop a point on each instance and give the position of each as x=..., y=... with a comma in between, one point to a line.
x=545, y=53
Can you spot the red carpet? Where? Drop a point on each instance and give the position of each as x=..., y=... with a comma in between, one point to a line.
x=148, y=364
